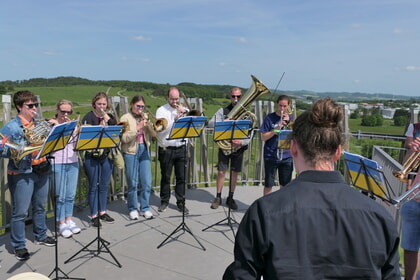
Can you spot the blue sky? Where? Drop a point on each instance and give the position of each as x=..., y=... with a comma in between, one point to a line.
x=370, y=46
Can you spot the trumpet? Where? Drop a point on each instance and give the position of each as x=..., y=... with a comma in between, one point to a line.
x=158, y=125
x=410, y=164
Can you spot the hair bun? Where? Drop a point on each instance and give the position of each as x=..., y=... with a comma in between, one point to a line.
x=326, y=113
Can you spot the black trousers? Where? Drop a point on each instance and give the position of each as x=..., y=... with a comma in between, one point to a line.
x=172, y=157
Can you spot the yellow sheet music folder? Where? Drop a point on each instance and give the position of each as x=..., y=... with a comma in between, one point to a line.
x=98, y=137
x=187, y=127
x=227, y=130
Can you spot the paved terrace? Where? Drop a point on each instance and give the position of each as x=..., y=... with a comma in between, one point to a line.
x=134, y=243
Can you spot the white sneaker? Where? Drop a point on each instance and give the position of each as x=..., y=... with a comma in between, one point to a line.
x=73, y=227
x=65, y=231
x=147, y=214
x=134, y=215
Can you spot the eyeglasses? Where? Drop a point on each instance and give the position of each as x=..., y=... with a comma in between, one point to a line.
x=140, y=106
x=236, y=96
x=66, y=112
x=31, y=105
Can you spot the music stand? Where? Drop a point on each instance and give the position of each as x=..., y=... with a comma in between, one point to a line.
x=57, y=139
x=366, y=175
x=97, y=137
x=230, y=130
x=185, y=127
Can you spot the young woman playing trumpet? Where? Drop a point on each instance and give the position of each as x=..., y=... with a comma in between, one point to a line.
x=135, y=145
x=99, y=159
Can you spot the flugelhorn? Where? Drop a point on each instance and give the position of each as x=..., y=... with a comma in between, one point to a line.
x=410, y=164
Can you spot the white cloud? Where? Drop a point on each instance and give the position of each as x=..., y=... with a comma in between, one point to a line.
x=399, y=31
x=412, y=68
x=356, y=25
x=242, y=40
x=140, y=38
x=52, y=53
x=357, y=81
x=124, y=58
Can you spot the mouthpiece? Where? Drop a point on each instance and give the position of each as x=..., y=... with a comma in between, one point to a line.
x=35, y=113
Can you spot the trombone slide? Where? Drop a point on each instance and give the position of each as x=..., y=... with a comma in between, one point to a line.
x=412, y=193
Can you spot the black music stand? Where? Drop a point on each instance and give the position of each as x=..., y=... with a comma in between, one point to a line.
x=185, y=127
x=230, y=130
x=97, y=137
x=57, y=139
x=365, y=174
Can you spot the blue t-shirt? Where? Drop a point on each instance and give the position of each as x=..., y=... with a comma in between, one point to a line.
x=270, y=147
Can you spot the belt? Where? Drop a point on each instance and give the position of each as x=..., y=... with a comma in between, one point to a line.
x=174, y=147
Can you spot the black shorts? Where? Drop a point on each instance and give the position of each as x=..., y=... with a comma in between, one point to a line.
x=235, y=158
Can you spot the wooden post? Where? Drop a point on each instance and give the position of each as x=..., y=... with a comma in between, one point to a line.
x=5, y=193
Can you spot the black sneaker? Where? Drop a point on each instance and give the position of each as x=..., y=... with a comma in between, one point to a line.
x=47, y=241
x=180, y=207
x=106, y=218
x=22, y=254
x=95, y=222
x=162, y=207
x=231, y=203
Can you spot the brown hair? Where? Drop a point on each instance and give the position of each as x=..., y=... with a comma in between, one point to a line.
x=23, y=96
x=100, y=95
x=318, y=131
x=137, y=98
x=283, y=97
x=64, y=102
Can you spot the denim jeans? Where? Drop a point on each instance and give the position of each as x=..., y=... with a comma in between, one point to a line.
x=284, y=168
x=138, y=167
x=410, y=226
x=26, y=189
x=98, y=172
x=64, y=179
x=170, y=158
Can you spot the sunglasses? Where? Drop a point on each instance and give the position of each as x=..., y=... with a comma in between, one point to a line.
x=31, y=105
x=66, y=112
x=236, y=96
x=140, y=106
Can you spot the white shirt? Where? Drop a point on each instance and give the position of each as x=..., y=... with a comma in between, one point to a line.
x=169, y=113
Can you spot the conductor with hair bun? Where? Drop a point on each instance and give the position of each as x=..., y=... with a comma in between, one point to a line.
x=317, y=226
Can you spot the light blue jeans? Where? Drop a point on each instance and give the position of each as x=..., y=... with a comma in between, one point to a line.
x=95, y=168
x=27, y=189
x=137, y=167
x=64, y=177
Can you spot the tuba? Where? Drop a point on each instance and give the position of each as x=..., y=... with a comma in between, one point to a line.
x=411, y=163
x=239, y=112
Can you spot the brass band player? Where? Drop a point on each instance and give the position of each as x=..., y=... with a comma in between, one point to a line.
x=276, y=158
x=173, y=156
x=98, y=159
x=135, y=146
x=28, y=182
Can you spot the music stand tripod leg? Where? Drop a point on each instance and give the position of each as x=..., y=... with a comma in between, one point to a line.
x=57, y=269
x=102, y=243
x=183, y=226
